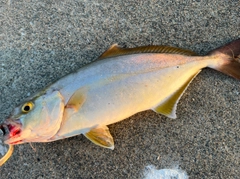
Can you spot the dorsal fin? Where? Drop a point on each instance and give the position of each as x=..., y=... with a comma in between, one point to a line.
x=115, y=51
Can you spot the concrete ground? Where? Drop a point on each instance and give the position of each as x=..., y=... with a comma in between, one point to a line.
x=41, y=41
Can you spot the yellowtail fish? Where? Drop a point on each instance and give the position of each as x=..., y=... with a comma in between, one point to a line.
x=122, y=82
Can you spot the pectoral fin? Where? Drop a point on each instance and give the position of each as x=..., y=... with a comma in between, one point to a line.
x=169, y=106
x=101, y=136
x=77, y=99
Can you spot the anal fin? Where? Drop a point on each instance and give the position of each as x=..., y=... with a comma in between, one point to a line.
x=101, y=136
x=169, y=106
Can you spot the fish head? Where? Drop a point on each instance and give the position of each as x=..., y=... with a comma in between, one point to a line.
x=37, y=119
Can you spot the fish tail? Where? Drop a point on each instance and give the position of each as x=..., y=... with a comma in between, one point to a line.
x=228, y=59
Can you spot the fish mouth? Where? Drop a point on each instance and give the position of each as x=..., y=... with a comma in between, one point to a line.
x=11, y=131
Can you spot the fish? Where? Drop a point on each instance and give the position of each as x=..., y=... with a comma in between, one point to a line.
x=119, y=84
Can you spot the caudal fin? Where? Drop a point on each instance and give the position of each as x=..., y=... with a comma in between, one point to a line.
x=230, y=57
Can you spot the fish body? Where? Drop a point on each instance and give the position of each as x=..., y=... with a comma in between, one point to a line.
x=119, y=87
x=122, y=82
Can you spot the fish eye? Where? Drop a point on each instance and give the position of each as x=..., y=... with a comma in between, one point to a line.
x=27, y=107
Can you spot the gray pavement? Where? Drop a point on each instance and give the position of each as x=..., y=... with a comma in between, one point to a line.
x=41, y=41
